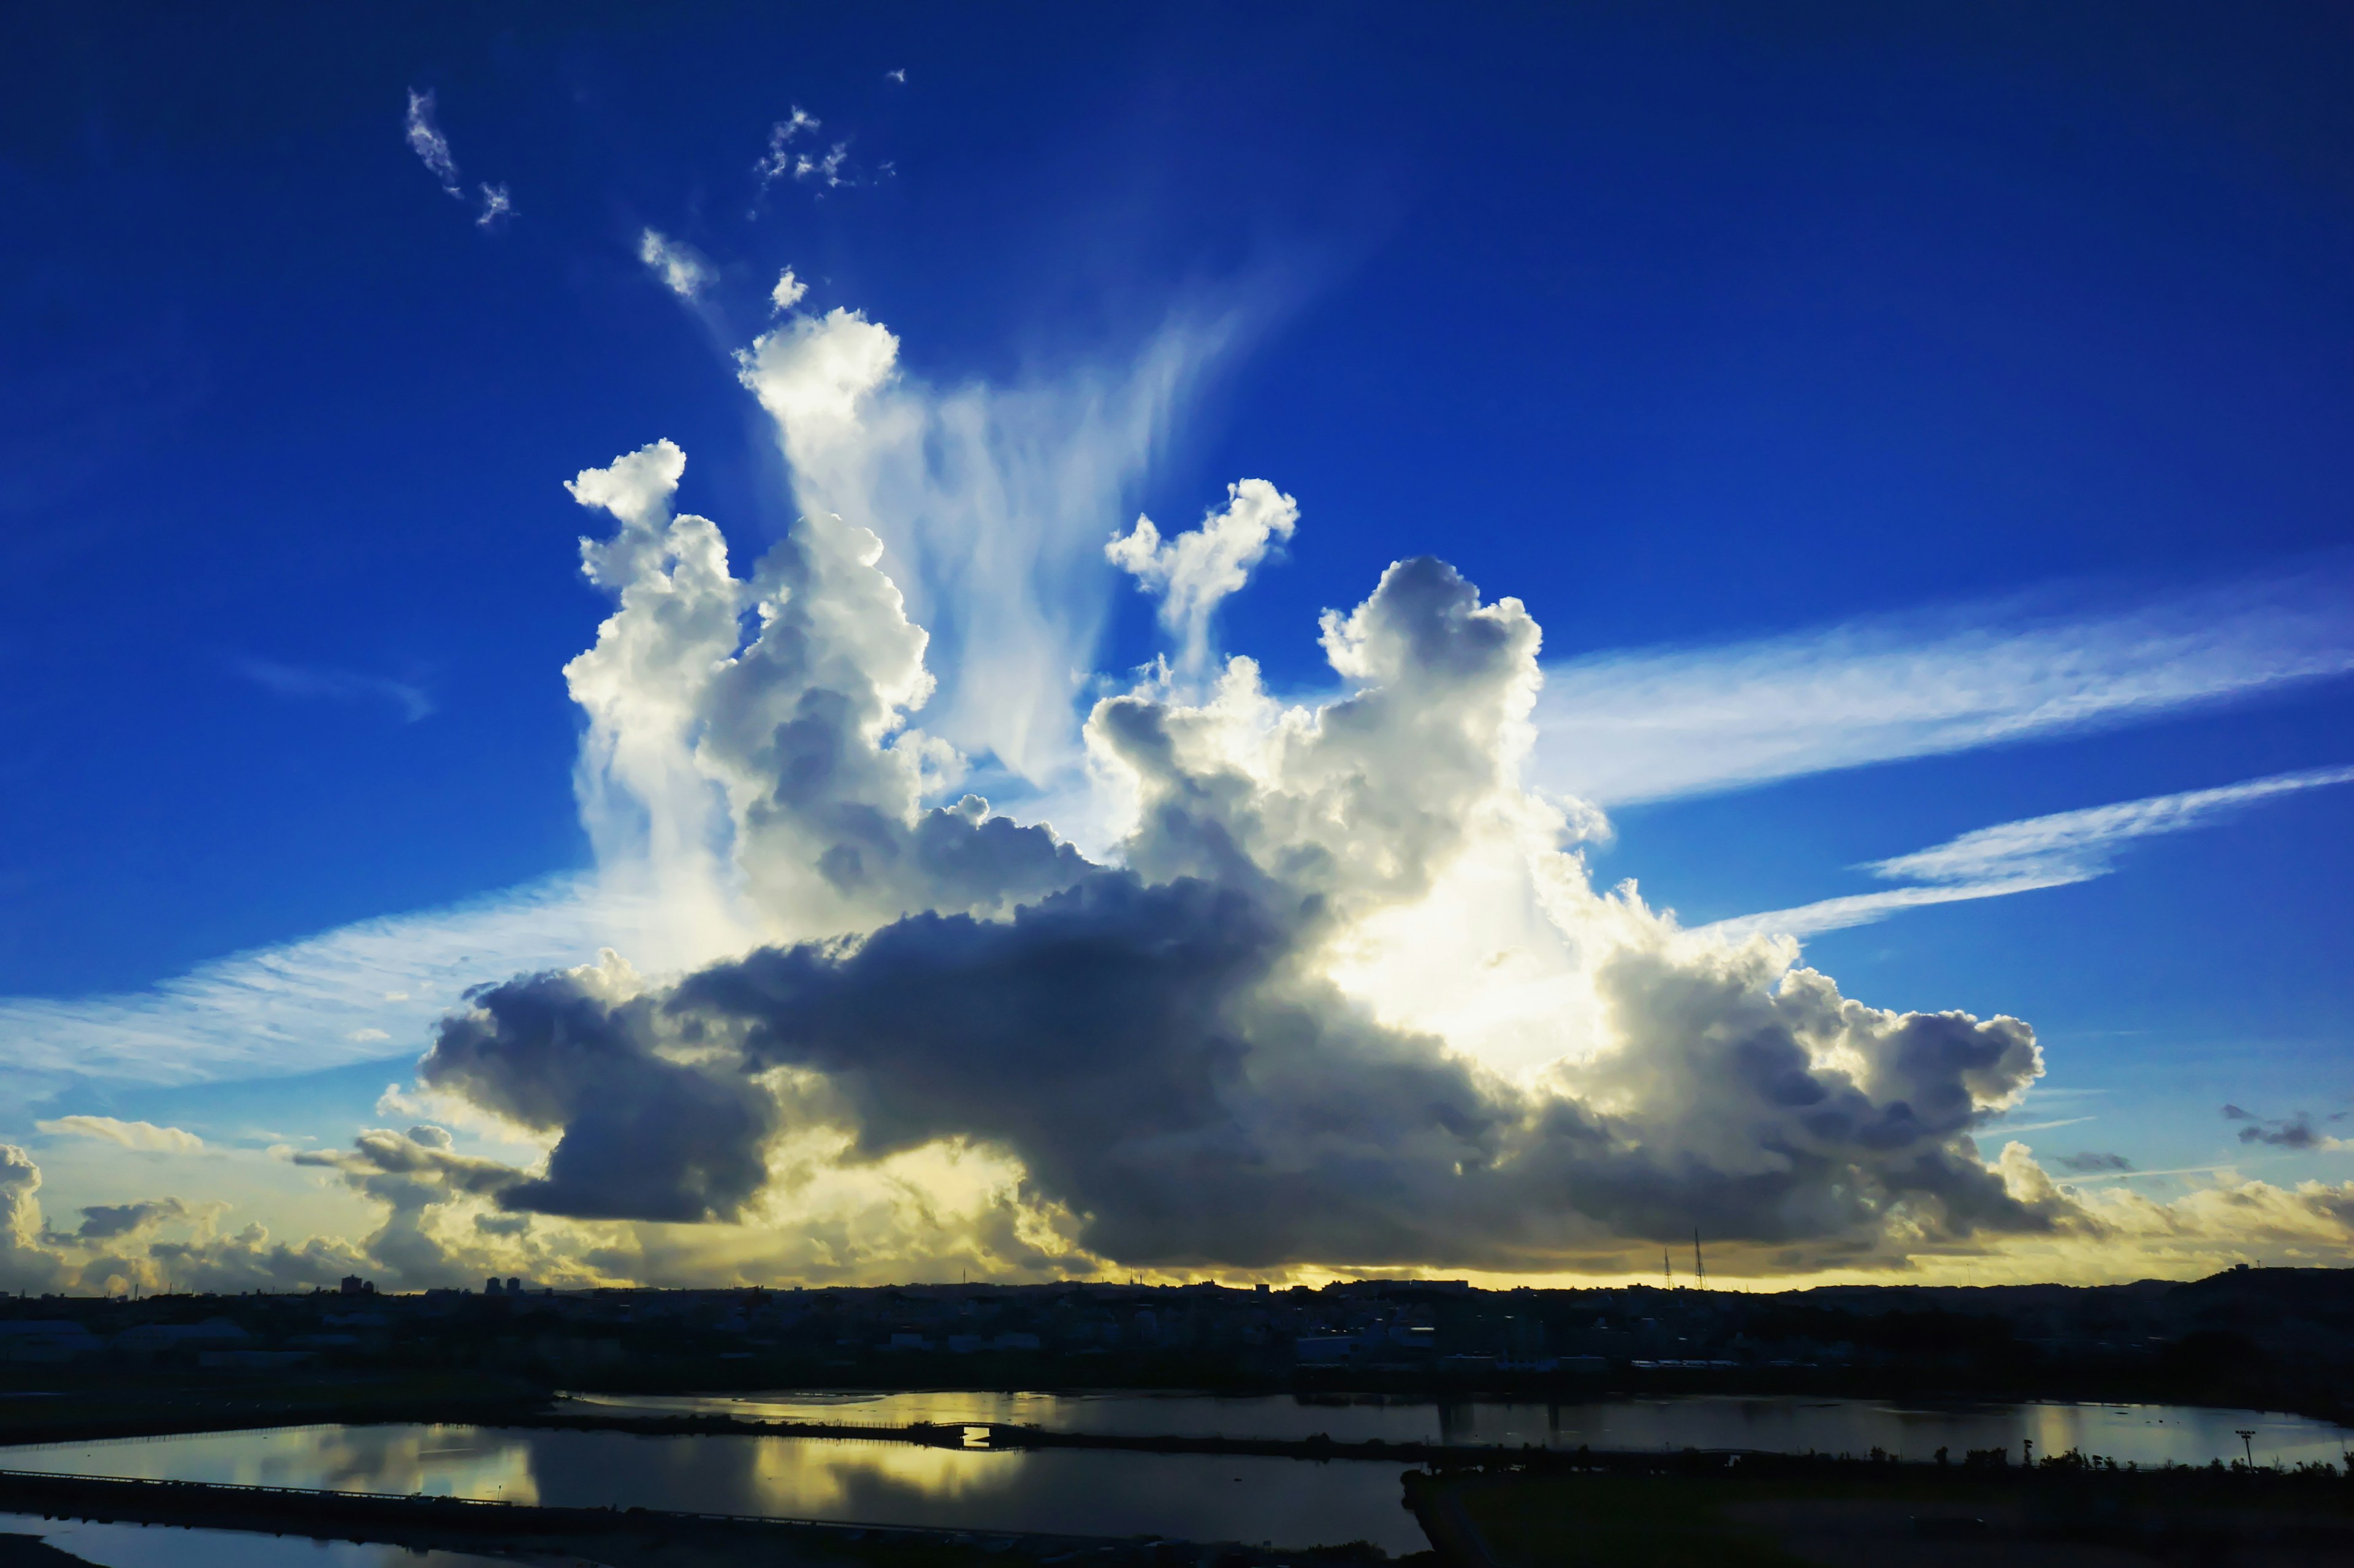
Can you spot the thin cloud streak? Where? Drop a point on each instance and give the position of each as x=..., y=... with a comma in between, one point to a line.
x=2072, y=845
x=307, y=1005
x=2035, y=853
x=2082, y=1180
x=681, y=268
x=1620, y=728
x=431, y=147
x=2005, y=1129
x=341, y=685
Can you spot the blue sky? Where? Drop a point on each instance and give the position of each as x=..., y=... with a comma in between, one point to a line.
x=2003, y=344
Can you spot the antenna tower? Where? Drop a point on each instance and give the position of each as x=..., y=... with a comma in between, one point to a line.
x=1698, y=1267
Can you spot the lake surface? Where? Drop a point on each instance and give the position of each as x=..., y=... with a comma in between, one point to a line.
x=2141, y=1434
x=132, y=1546
x=1286, y=1502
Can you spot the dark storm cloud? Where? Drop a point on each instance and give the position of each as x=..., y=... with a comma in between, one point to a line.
x=646, y=1138
x=106, y=1222
x=2293, y=1132
x=2284, y=1132
x=1159, y=1061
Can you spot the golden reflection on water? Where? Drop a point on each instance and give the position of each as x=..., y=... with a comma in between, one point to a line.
x=2144, y=1434
x=945, y=1407
x=795, y=1475
x=441, y=1461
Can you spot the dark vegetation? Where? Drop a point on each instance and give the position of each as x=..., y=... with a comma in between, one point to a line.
x=619, y=1538
x=1566, y=1511
x=2280, y=1338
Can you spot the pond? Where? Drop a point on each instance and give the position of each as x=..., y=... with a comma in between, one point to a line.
x=136, y=1546
x=2140, y=1434
x=1285, y=1502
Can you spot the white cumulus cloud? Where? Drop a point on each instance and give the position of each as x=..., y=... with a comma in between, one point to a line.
x=1328, y=985
x=143, y=1136
x=991, y=502
x=789, y=291
x=1193, y=572
x=1173, y=1051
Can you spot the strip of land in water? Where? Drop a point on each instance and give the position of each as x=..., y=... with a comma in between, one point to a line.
x=623, y=1538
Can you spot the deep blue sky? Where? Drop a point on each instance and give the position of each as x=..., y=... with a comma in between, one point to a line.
x=1682, y=322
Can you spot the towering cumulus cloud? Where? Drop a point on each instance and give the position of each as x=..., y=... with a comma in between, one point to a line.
x=1193, y=571
x=787, y=752
x=1341, y=995
x=992, y=502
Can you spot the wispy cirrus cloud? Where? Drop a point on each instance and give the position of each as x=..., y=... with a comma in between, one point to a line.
x=2036, y=852
x=432, y=148
x=2073, y=845
x=358, y=993
x=681, y=267
x=1629, y=727
x=787, y=158
x=780, y=160
x=413, y=700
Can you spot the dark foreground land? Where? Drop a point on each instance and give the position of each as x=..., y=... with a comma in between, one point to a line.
x=615, y=1538
x=2277, y=1338
x=2267, y=1339
x=1768, y=1512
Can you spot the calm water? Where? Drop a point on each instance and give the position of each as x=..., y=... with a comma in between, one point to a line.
x=132, y=1546
x=2145, y=1433
x=1187, y=1496
x=1287, y=1502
